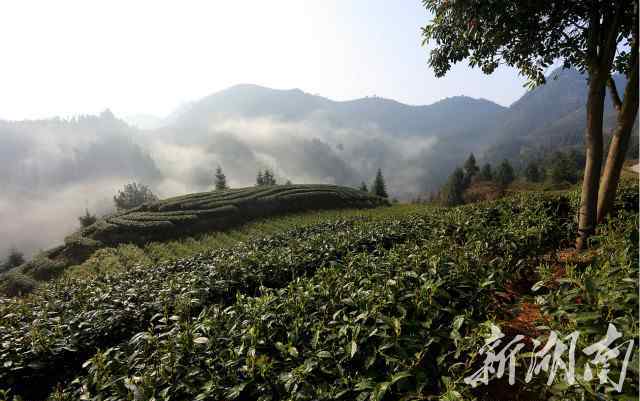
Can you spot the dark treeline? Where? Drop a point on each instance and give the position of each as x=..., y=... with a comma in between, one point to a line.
x=555, y=169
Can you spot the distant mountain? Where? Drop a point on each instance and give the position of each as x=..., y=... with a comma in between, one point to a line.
x=309, y=138
x=80, y=163
x=456, y=115
x=549, y=118
x=144, y=121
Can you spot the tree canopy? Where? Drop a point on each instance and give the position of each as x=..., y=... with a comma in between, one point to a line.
x=505, y=174
x=454, y=190
x=220, y=180
x=133, y=195
x=266, y=178
x=486, y=173
x=529, y=35
x=379, y=187
x=598, y=37
x=470, y=166
x=532, y=172
x=14, y=259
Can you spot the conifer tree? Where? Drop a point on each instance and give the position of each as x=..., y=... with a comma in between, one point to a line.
x=379, y=187
x=268, y=178
x=260, y=179
x=486, y=173
x=363, y=187
x=532, y=172
x=220, y=180
x=470, y=166
x=454, y=191
x=505, y=174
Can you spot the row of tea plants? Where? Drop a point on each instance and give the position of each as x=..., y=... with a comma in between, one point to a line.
x=378, y=308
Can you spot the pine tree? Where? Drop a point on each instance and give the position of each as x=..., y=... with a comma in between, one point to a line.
x=220, y=181
x=379, y=187
x=88, y=219
x=486, y=173
x=505, y=174
x=454, y=190
x=260, y=179
x=532, y=172
x=470, y=166
x=268, y=178
x=363, y=187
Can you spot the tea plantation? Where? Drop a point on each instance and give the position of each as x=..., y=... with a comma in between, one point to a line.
x=392, y=305
x=187, y=216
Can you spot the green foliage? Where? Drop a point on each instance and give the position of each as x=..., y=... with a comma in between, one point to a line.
x=42, y=268
x=392, y=304
x=532, y=172
x=505, y=174
x=470, y=168
x=373, y=304
x=454, y=190
x=190, y=215
x=87, y=219
x=379, y=188
x=133, y=195
x=14, y=259
x=15, y=284
x=529, y=36
x=564, y=168
x=266, y=178
x=220, y=180
x=363, y=187
x=486, y=173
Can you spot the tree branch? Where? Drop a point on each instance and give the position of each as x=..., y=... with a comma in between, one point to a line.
x=617, y=103
x=609, y=45
x=592, y=40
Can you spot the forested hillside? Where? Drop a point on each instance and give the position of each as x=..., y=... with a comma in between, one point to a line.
x=551, y=118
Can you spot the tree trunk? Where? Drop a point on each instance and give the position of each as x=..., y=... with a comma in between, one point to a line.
x=619, y=143
x=593, y=164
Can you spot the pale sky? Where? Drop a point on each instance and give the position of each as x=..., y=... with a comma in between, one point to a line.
x=69, y=57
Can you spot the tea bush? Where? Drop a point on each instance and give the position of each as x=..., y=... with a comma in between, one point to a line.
x=426, y=276
x=189, y=215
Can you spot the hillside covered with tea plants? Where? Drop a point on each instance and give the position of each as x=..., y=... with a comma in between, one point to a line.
x=184, y=216
x=387, y=304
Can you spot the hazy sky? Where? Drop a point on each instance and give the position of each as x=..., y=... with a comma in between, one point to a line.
x=67, y=57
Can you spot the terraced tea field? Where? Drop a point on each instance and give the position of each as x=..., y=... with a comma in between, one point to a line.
x=382, y=305
x=193, y=214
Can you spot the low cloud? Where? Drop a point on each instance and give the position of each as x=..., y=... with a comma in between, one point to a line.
x=53, y=169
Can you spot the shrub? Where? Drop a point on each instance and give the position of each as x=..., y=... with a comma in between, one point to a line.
x=16, y=284
x=87, y=219
x=133, y=195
